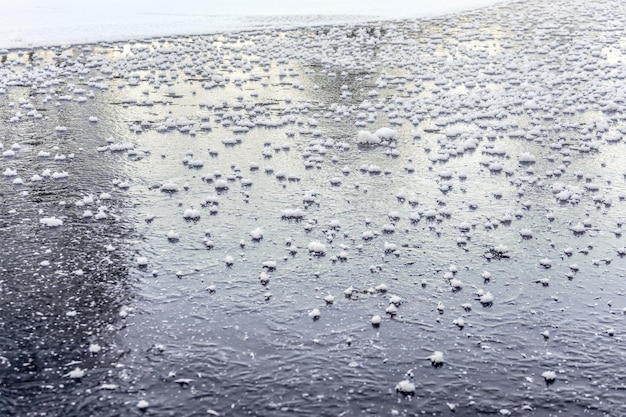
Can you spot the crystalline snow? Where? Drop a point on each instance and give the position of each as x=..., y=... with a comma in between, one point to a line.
x=317, y=248
x=436, y=358
x=549, y=376
x=76, y=373
x=405, y=387
x=51, y=221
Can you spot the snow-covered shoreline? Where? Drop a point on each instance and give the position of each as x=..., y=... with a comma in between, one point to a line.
x=36, y=23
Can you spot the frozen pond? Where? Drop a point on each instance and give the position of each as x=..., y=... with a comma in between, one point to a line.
x=411, y=217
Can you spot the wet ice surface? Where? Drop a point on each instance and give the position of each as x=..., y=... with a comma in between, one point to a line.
x=218, y=225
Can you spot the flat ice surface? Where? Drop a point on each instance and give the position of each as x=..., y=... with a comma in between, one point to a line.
x=468, y=253
x=31, y=23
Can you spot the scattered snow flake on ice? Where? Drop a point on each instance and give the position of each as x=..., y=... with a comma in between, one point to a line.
x=191, y=214
x=405, y=387
x=315, y=314
x=257, y=234
x=317, y=248
x=51, y=221
x=436, y=359
x=94, y=348
x=549, y=376
x=76, y=373
x=486, y=299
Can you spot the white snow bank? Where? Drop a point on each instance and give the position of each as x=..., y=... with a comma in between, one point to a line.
x=32, y=23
